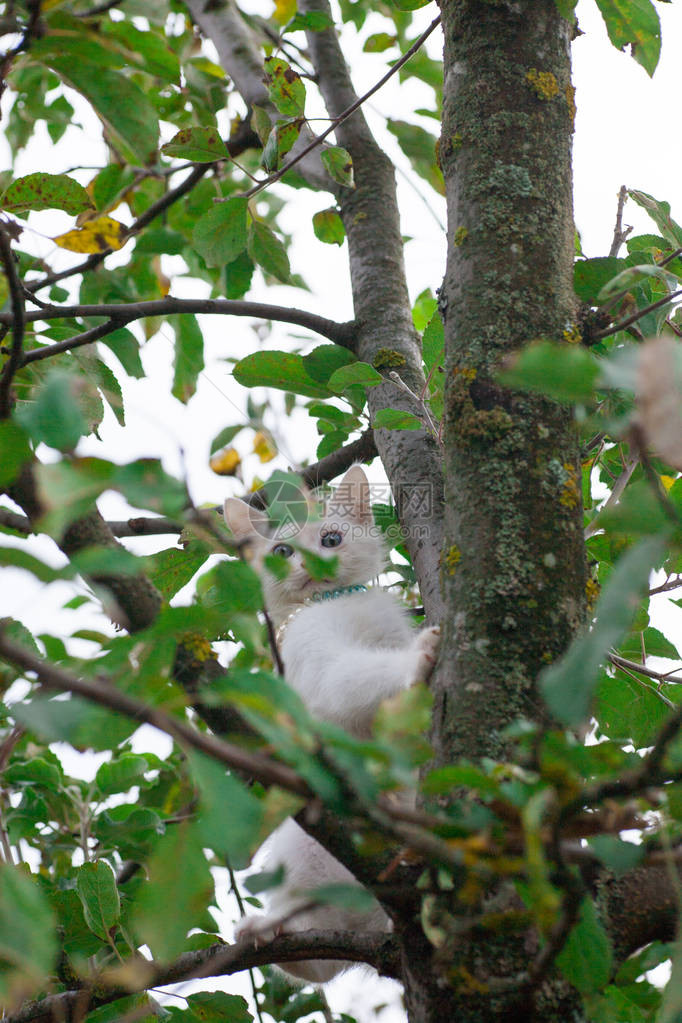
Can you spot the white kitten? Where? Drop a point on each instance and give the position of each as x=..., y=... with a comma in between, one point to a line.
x=345, y=648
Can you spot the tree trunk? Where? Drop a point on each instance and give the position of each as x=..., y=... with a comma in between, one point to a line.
x=513, y=577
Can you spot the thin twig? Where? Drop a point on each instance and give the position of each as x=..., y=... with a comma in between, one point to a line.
x=615, y=495
x=643, y=669
x=619, y=235
x=18, y=321
x=105, y=694
x=636, y=316
x=319, y=139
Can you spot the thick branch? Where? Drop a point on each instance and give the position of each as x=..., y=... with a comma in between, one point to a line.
x=340, y=333
x=18, y=320
x=374, y=948
x=383, y=312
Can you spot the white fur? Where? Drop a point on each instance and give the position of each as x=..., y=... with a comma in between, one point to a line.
x=343, y=656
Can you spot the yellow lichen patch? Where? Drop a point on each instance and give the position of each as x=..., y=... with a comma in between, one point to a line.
x=99, y=235
x=592, y=593
x=570, y=494
x=572, y=334
x=264, y=446
x=452, y=559
x=198, y=647
x=569, y=93
x=460, y=236
x=467, y=373
x=225, y=462
x=543, y=83
x=387, y=358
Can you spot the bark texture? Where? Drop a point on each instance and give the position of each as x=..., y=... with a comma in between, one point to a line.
x=513, y=565
x=514, y=574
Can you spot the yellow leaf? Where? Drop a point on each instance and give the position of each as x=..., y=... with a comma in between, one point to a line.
x=668, y=481
x=225, y=462
x=264, y=447
x=284, y=11
x=97, y=235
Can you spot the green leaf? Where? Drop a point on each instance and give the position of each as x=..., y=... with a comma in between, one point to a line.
x=568, y=684
x=55, y=417
x=409, y=5
x=75, y=721
x=282, y=138
x=566, y=8
x=562, y=371
x=120, y=774
x=633, y=275
x=37, y=771
x=121, y=104
x=96, y=888
x=419, y=146
x=212, y=1007
x=199, y=144
x=145, y=48
x=617, y=855
x=14, y=451
x=177, y=893
x=586, y=959
x=230, y=819
x=328, y=227
x=28, y=940
x=267, y=251
x=433, y=342
x=173, y=568
x=237, y=587
x=225, y=437
x=378, y=42
x=396, y=419
x=660, y=214
x=126, y=348
x=189, y=356
x=355, y=373
x=220, y=234
x=41, y=191
x=339, y=165
x=285, y=87
x=238, y=276
x=591, y=275
x=283, y=370
x=325, y=360
x=634, y=23
x=313, y=21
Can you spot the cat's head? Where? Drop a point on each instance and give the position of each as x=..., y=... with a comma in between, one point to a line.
x=343, y=529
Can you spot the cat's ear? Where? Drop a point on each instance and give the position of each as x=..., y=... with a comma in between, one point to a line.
x=351, y=497
x=244, y=520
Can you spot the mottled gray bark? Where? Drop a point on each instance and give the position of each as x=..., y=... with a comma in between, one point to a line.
x=514, y=568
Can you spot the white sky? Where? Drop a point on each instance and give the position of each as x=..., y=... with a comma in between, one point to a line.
x=626, y=133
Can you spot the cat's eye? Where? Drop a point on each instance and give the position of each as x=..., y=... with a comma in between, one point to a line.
x=331, y=539
x=283, y=550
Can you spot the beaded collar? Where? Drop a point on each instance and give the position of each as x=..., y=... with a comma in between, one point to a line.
x=317, y=598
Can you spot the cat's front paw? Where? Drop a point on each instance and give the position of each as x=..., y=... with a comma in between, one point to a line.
x=258, y=930
x=427, y=644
